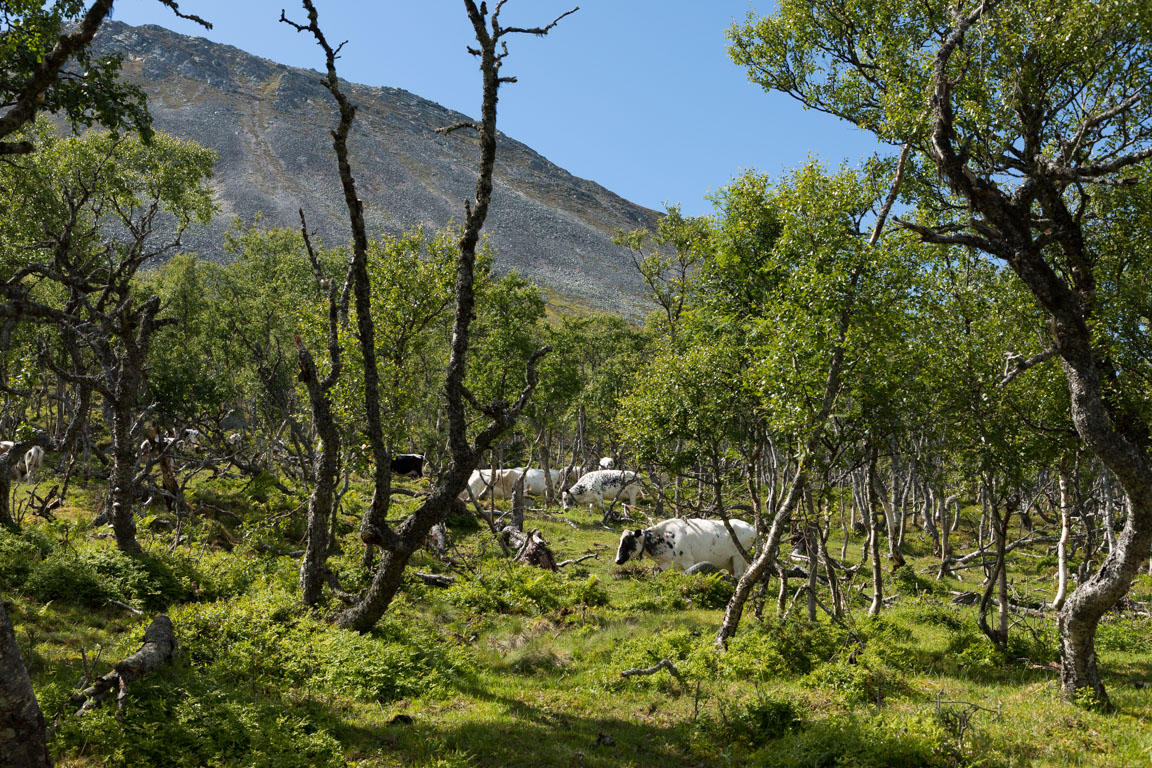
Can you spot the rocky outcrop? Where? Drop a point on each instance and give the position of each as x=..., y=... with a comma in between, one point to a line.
x=270, y=125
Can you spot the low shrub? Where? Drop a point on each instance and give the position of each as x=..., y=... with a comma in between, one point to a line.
x=750, y=657
x=96, y=575
x=1124, y=635
x=65, y=577
x=19, y=554
x=501, y=587
x=692, y=651
x=590, y=593
x=189, y=725
x=934, y=613
x=710, y=591
x=855, y=741
x=269, y=640
x=754, y=723
x=854, y=683
x=147, y=579
x=910, y=583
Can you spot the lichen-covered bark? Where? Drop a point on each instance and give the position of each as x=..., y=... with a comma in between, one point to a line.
x=22, y=737
x=322, y=501
x=158, y=646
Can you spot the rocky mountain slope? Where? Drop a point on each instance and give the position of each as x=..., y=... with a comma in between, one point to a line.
x=270, y=125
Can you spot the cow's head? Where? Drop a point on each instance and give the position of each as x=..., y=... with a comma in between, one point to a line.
x=631, y=545
x=567, y=499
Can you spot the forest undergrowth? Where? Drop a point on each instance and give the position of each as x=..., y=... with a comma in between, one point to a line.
x=514, y=665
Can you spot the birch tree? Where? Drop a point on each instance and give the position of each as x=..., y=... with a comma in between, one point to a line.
x=398, y=543
x=1026, y=111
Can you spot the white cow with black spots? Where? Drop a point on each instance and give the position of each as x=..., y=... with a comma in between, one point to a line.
x=603, y=485
x=684, y=543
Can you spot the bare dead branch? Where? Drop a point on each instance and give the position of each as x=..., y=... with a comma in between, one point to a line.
x=189, y=16
x=646, y=671
x=574, y=561
x=1015, y=364
x=890, y=200
x=540, y=31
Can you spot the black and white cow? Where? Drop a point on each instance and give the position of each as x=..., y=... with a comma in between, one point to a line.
x=603, y=485
x=684, y=543
x=410, y=464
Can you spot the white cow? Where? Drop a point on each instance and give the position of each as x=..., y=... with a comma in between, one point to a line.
x=607, y=462
x=502, y=483
x=684, y=543
x=534, y=484
x=603, y=485
x=33, y=461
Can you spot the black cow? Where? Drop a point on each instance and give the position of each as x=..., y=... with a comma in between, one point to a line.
x=410, y=464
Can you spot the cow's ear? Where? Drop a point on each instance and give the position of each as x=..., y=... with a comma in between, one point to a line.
x=639, y=532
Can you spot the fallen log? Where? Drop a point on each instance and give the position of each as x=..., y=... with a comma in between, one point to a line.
x=159, y=645
x=435, y=579
x=662, y=664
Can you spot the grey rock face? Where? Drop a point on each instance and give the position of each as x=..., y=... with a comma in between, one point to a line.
x=270, y=125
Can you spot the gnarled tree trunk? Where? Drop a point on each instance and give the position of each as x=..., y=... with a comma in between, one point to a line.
x=22, y=737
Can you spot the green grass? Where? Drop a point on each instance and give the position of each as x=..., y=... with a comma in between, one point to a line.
x=515, y=666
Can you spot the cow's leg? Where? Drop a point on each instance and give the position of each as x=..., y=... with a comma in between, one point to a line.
x=738, y=565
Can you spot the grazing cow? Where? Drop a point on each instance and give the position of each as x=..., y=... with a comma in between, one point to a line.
x=408, y=464
x=534, y=484
x=607, y=462
x=502, y=483
x=685, y=543
x=33, y=461
x=603, y=484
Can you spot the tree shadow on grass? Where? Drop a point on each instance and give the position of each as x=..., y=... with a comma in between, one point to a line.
x=534, y=734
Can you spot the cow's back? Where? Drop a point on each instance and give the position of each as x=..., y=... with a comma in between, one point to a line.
x=704, y=541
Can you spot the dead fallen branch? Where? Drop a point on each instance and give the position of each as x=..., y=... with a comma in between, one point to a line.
x=576, y=560
x=663, y=664
x=435, y=579
x=981, y=553
x=971, y=598
x=159, y=645
x=126, y=607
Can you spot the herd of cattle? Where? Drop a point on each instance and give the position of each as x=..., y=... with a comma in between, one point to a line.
x=676, y=543
x=680, y=543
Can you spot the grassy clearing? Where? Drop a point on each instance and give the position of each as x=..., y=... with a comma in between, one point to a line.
x=516, y=666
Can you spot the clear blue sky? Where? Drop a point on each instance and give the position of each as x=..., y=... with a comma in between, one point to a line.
x=636, y=95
